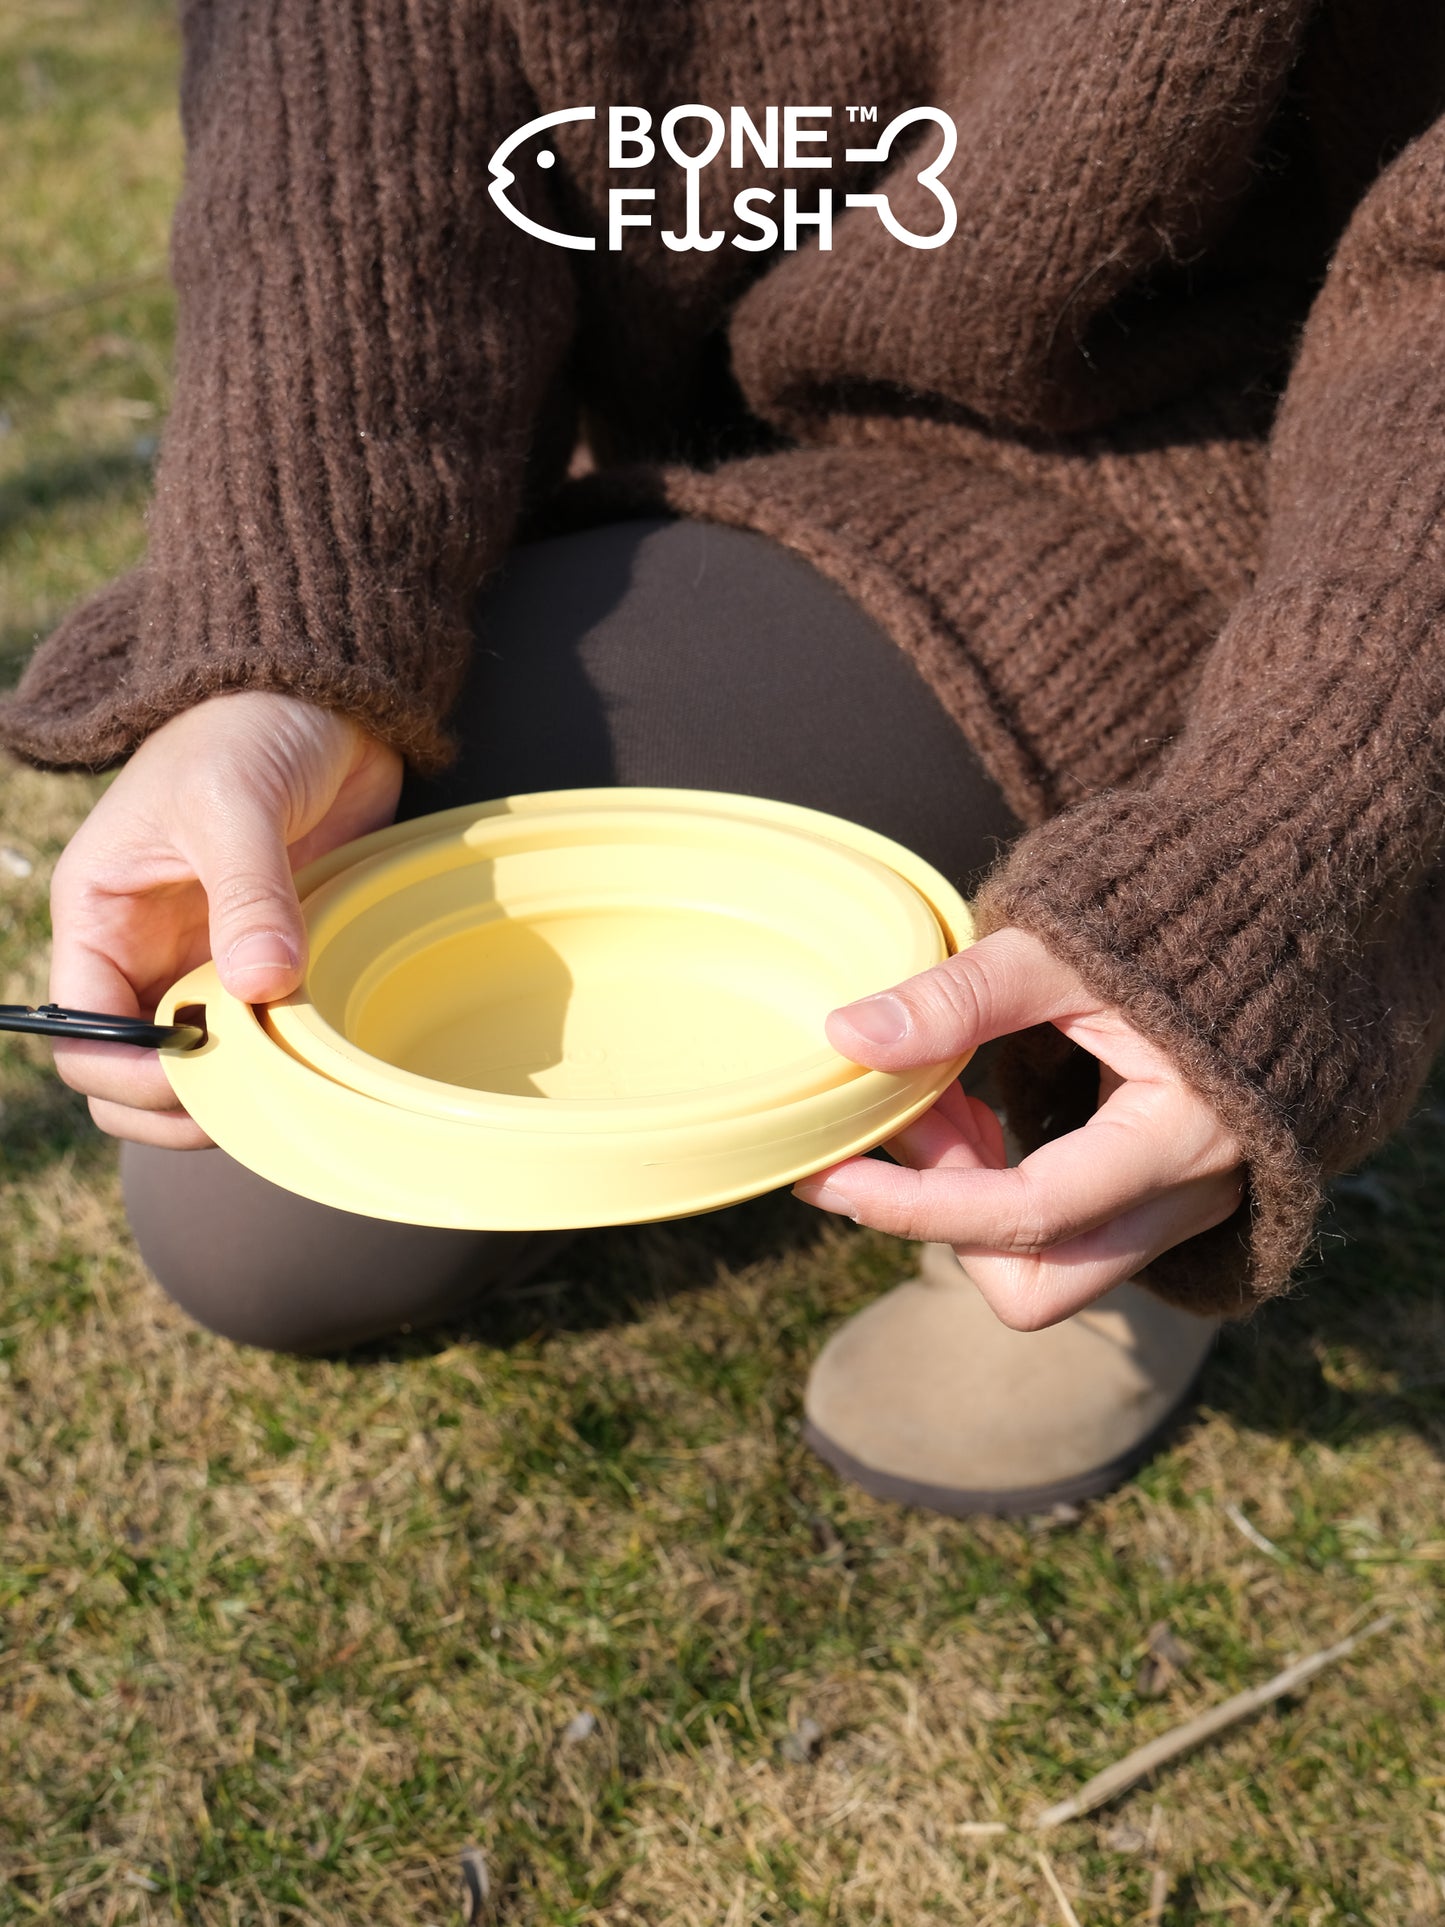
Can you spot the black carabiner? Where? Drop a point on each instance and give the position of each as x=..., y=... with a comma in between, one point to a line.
x=95, y=1027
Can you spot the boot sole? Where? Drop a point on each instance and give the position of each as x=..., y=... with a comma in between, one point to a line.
x=1011, y=1502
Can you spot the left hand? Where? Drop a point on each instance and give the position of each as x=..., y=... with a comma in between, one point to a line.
x=1153, y=1166
x=190, y=854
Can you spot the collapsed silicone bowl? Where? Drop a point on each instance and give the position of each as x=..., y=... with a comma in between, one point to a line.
x=580, y=1007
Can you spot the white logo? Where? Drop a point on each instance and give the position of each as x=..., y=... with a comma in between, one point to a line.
x=787, y=136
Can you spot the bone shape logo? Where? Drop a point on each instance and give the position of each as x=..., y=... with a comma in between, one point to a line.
x=503, y=177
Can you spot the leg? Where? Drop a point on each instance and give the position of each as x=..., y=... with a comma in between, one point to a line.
x=689, y=654
x=264, y=1267
x=645, y=653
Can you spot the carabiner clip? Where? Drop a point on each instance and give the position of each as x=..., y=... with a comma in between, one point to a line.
x=95, y=1027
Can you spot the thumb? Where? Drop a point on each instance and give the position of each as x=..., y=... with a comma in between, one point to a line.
x=1003, y=983
x=258, y=939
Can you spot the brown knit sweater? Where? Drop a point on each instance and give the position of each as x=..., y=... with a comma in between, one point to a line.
x=1144, y=467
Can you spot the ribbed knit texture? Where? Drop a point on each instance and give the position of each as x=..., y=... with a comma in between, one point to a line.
x=365, y=351
x=1194, y=632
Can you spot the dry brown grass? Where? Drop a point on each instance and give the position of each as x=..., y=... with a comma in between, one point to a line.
x=284, y=1636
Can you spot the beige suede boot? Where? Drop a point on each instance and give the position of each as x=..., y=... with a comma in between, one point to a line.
x=925, y=1398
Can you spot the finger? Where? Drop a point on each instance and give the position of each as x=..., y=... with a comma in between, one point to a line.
x=1030, y=1293
x=1130, y=1151
x=257, y=935
x=116, y=1074
x=84, y=979
x=172, y=1130
x=958, y=1131
x=1003, y=983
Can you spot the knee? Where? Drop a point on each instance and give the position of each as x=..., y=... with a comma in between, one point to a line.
x=210, y=1242
x=261, y=1266
x=256, y=1264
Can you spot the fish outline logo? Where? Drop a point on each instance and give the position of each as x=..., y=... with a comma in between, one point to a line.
x=503, y=177
x=927, y=178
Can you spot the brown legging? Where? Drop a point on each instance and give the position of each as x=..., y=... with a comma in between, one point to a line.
x=645, y=652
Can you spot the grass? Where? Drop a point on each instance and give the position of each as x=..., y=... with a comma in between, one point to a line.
x=279, y=1639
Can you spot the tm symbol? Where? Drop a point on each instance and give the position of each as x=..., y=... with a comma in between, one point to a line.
x=862, y=113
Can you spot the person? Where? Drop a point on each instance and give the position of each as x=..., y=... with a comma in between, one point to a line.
x=1102, y=531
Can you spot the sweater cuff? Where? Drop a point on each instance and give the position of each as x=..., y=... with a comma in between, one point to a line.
x=1265, y=907
x=1049, y=1086
x=115, y=669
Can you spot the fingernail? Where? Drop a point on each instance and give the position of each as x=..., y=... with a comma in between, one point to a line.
x=827, y=1197
x=882, y=1020
x=262, y=950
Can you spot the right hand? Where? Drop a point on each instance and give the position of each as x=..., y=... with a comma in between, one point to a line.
x=189, y=855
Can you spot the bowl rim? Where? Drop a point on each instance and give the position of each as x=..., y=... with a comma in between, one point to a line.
x=299, y=1024
x=310, y=1133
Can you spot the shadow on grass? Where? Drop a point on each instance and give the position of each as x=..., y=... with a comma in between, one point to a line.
x=39, y=1127
x=35, y=491
x=1358, y=1349
x=1352, y=1353
x=607, y=1278
x=47, y=483
x=17, y=645
x=1359, y=1346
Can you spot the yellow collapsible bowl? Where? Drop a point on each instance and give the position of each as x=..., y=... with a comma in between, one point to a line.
x=581, y=1007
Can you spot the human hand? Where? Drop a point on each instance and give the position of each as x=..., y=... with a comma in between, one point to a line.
x=1152, y=1167
x=189, y=855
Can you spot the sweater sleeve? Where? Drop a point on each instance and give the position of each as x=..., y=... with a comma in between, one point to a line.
x=368, y=356
x=1267, y=903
